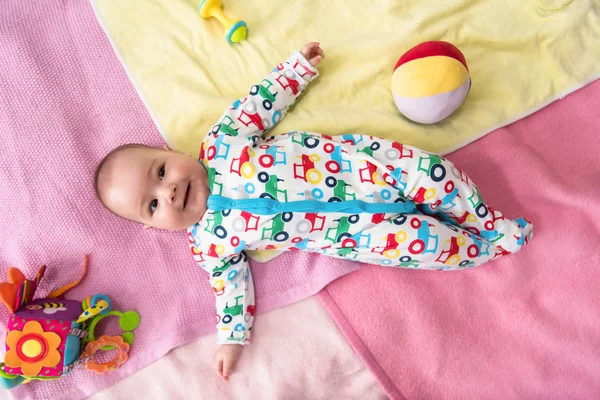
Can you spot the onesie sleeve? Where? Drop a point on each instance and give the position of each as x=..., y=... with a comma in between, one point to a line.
x=268, y=101
x=231, y=282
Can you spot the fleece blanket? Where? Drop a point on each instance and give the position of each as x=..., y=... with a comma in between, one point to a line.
x=521, y=55
x=64, y=102
x=523, y=327
x=298, y=353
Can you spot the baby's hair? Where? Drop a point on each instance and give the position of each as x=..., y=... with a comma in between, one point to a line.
x=105, y=168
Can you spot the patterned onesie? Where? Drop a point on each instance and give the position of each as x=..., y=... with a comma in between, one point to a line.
x=351, y=196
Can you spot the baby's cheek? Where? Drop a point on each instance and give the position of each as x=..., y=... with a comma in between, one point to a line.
x=171, y=220
x=204, y=194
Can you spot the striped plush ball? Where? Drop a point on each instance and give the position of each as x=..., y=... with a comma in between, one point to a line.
x=430, y=81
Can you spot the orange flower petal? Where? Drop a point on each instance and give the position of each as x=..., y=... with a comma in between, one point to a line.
x=52, y=359
x=32, y=369
x=12, y=338
x=52, y=339
x=33, y=327
x=12, y=359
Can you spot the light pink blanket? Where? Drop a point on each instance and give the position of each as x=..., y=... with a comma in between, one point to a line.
x=525, y=326
x=64, y=102
x=297, y=353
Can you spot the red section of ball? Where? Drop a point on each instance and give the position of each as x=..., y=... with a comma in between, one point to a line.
x=435, y=48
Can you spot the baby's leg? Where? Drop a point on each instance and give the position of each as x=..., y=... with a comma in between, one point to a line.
x=444, y=190
x=416, y=241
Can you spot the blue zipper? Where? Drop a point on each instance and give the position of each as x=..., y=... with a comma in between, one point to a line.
x=264, y=206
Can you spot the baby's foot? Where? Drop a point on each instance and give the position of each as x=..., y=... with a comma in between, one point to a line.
x=520, y=233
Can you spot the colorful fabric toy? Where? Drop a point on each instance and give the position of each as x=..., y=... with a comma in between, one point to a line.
x=48, y=337
x=430, y=82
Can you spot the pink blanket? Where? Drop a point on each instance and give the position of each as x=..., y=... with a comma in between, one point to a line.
x=526, y=326
x=64, y=102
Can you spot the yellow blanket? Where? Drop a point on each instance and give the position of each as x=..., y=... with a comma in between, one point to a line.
x=522, y=54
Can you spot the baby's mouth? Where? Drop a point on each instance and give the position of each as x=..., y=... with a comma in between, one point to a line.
x=187, y=195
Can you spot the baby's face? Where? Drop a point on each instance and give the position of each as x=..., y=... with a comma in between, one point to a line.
x=161, y=189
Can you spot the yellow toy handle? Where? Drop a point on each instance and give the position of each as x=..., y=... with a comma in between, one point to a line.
x=99, y=304
x=235, y=31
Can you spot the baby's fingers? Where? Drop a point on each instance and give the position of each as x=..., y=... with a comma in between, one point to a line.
x=228, y=365
x=219, y=366
x=309, y=49
x=315, y=60
x=311, y=45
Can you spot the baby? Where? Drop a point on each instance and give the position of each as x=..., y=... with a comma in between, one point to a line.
x=351, y=196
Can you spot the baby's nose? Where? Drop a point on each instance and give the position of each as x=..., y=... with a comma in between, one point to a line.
x=169, y=193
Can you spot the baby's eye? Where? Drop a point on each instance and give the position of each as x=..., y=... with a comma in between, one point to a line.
x=153, y=206
x=161, y=173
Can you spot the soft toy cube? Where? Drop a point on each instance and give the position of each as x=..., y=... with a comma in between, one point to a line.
x=43, y=339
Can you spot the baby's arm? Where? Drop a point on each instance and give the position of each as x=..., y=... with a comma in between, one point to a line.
x=231, y=281
x=268, y=101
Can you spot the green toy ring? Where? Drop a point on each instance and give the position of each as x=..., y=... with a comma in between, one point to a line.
x=128, y=321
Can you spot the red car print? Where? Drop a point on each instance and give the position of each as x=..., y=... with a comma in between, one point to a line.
x=391, y=247
x=237, y=163
x=377, y=218
x=398, y=152
x=312, y=222
x=298, y=66
x=249, y=115
x=248, y=119
x=306, y=170
x=212, y=251
x=367, y=174
x=450, y=256
x=197, y=254
x=421, y=197
x=460, y=220
x=500, y=252
x=246, y=222
x=287, y=82
x=250, y=310
x=300, y=170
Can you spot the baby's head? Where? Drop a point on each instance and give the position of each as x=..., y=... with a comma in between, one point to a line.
x=158, y=188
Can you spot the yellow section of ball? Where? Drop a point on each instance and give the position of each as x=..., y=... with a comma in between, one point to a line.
x=428, y=76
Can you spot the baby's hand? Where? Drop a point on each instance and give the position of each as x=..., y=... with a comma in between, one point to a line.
x=313, y=53
x=225, y=359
